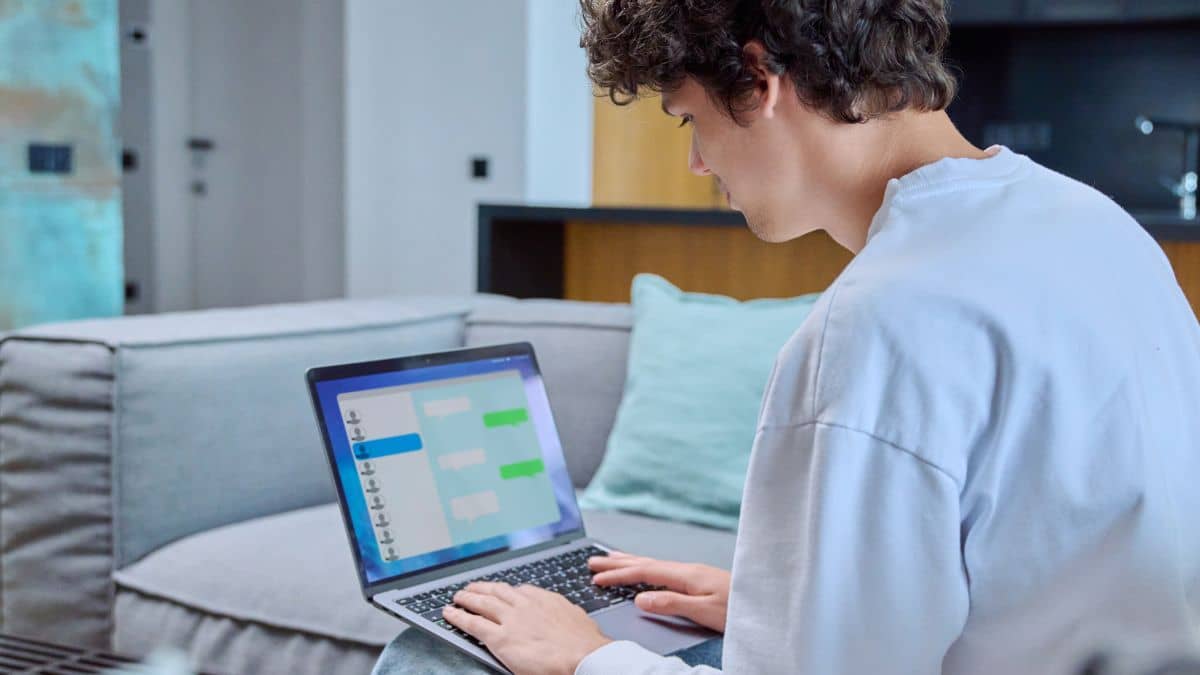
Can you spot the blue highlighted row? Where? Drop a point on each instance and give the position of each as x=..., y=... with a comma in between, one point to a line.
x=383, y=447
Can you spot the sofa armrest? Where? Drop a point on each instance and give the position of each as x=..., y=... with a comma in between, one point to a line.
x=55, y=490
x=119, y=436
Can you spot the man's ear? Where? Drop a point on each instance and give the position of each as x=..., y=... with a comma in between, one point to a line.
x=766, y=82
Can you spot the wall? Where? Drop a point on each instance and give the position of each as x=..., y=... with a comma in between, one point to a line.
x=137, y=177
x=60, y=197
x=428, y=86
x=559, y=103
x=169, y=43
x=323, y=241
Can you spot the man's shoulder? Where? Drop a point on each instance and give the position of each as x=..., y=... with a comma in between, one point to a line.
x=863, y=325
x=886, y=355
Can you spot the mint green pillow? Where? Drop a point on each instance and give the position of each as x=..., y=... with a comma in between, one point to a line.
x=698, y=365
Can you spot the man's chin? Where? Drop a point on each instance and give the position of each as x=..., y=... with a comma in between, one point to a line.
x=762, y=232
x=760, y=227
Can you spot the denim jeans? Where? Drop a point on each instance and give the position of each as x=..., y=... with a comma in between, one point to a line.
x=416, y=653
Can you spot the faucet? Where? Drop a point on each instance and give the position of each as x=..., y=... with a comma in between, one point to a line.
x=1185, y=189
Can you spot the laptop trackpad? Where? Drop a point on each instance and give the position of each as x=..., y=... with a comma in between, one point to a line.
x=661, y=634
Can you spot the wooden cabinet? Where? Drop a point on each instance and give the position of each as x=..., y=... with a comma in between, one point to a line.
x=1185, y=260
x=601, y=259
x=640, y=158
x=594, y=253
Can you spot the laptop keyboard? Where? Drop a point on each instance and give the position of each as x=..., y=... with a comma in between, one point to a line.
x=566, y=574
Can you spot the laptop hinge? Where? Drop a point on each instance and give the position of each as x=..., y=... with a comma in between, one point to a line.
x=468, y=565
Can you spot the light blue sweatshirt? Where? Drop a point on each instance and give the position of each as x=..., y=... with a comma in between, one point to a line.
x=981, y=452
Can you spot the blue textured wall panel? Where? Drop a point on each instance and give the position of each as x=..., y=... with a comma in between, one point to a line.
x=60, y=215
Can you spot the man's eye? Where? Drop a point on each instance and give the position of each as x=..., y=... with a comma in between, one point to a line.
x=687, y=119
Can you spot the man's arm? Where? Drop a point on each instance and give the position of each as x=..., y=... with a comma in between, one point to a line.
x=848, y=561
x=630, y=658
x=849, y=557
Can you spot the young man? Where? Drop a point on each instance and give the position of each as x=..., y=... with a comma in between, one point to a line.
x=979, y=454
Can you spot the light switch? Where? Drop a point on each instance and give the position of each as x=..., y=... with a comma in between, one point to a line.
x=49, y=158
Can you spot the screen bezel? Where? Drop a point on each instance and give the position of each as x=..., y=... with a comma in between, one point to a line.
x=314, y=376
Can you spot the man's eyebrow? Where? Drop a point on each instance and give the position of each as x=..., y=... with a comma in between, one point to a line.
x=663, y=102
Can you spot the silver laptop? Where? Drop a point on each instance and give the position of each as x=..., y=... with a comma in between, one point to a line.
x=449, y=469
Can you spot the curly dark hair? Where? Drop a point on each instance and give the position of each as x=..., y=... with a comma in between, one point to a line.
x=853, y=60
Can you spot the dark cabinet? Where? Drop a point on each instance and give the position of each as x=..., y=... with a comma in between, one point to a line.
x=1035, y=12
x=1162, y=9
x=1053, y=11
x=969, y=12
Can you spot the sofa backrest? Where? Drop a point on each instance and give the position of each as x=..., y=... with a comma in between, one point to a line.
x=582, y=348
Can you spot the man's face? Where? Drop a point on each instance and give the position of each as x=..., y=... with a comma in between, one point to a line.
x=773, y=171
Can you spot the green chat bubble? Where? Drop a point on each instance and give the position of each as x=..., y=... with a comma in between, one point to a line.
x=530, y=467
x=503, y=418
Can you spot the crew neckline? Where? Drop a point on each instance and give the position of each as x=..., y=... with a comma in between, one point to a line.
x=999, y=163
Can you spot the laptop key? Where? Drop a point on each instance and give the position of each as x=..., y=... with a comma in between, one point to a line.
x=593, y=605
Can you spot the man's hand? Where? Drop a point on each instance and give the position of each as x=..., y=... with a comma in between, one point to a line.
x=694, y=591
x=529, y=629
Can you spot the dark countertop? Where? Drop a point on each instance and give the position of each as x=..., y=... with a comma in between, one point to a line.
x=1164, y=226
x=610, y=214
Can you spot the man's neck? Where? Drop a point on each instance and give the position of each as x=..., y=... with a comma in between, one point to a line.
x=890, y=149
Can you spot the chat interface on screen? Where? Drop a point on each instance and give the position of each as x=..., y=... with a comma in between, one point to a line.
x=446, y=463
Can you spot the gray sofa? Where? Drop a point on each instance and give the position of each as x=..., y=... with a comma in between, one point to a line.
x=162, y=481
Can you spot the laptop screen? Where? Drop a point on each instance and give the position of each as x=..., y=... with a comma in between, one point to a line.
x=439, y=463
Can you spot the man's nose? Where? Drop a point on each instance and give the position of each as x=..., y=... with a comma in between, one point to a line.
x=695, y=161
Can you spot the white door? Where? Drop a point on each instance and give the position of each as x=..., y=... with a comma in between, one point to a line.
x=266, y=135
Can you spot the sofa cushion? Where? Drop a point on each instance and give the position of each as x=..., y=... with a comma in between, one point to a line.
x=294, y=573
x=220, y=644
x=281, y=575
x=581, y=348
x=698, y=366
x=291, y=570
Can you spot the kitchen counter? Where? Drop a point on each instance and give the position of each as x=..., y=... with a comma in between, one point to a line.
x=592, y=253
x=1164, y=225
x=1168, y=226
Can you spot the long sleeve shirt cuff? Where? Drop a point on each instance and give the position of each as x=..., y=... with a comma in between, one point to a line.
x=628, y=658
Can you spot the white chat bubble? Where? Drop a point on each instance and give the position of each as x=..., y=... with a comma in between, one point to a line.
x=460, y=460
x=447, y=406
x=474, y=506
